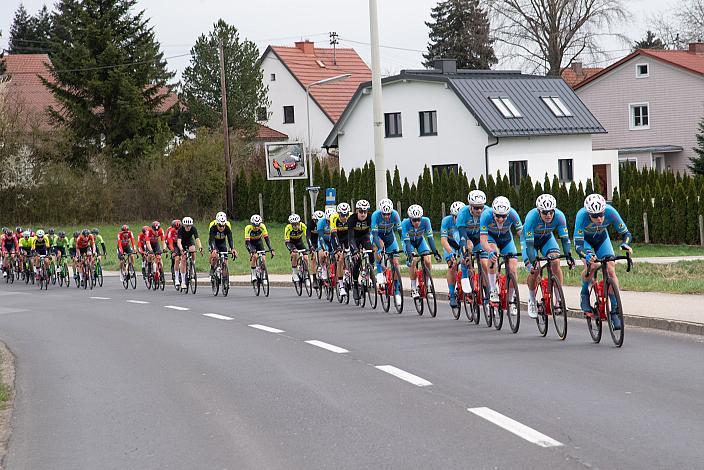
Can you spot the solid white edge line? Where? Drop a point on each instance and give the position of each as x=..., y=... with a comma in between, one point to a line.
x=329, y=347
x=219, y=317
x=138, y=302
x=176, y=307
x=266, y=328
x=513, y=426
x=101, y=298
x=403, y=375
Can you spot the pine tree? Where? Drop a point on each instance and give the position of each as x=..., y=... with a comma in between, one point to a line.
x=692, y=214
x=396, y=185
x=434, y=210
x=405, y=193
x=22, y=33
x=697, y=165
x=679, y=212
x=650, y=41
x=525, y=196
x=574, y=203
x=589, y=188
x=460, y=30
x=490, y=189
x=472, y=186
x=668, y=229
x=656, y=219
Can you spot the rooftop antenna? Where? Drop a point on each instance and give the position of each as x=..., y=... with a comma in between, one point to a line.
x=333, y=43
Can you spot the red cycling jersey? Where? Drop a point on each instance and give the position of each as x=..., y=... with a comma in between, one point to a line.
x=171, y=236
x=7, y=241
x=124, y=239
x=155, y=236
x=142, y=242
x=83, y=242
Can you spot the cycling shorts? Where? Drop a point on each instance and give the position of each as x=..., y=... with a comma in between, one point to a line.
x=297, y=243
x=421, y=246
x=219, y=245
x=126, y=251
x=41, y=251
x=544, y=246
x=84, y=251
x=390, y=243
x=603, y=250
x=506, y=246
x=324, y=244
x=256, y=245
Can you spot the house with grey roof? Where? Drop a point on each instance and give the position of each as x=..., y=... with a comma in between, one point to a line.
x=479, y=120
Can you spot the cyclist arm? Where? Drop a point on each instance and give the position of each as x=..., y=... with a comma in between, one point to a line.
x=615, y=218
x=102, y=244
x=287, y=237
x=563, y=233
x=375, y=228
x=230, y=241
x=484, y=231
x=578, y=236
x=444, y=233
x=211, y=237
x=528, y=236
x=405, y=236
x=429, y=235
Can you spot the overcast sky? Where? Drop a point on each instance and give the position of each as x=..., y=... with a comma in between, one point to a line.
x=401, y=22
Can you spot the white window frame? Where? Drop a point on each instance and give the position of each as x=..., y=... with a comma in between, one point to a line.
x=506, y=107
x=632, y=116
x=642, y=75
x=558, y=108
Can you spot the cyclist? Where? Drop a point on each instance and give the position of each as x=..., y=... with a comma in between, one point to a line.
x=25, y=244
x=85, y=247
x=51, y=233
x=142, y=248
x=340, y=242
x=8, y=248
x=384, y=221
x=294, y=234
x=253, y=235
x=187, y=241
x=496, y=237
x=468, y=224
x=171, y=235
x=312, y=236
x=414, y=231
x=450, y=241
x=219, y=239
x=537, y=235
x=592, y=242
x=324, y=241
x=125, y=246
x=40, y=247
x=61, y=246
x=359, y=232
x=72, y=253
x=99, y=241
x=155, y=243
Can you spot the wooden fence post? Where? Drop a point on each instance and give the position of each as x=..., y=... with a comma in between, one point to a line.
x=645, y=228
x=305, y=209
x=261, y=206
x=701, y=229
x=443, y=210
x=398, y=208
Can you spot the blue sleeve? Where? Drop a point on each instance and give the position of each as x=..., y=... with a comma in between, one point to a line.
x=562, y=231
x=614, y=218
x=528, y=229
x=375, y=226
x=579, y=232
x=429, y=233
x=484, y=222
x=445, y=226
x=462, y=217
x=516, y=220
x=404, y=230
x=397, y=218
x=321, y=227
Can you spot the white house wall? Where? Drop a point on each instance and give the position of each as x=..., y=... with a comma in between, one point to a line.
x=286, y=91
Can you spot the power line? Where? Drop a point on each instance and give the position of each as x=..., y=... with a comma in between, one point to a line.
x=382, y=46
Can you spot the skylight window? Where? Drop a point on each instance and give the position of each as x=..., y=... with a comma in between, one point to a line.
x=556, y=105
x=506, y=107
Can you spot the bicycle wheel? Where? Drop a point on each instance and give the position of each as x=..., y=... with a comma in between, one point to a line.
x=132, y=275
x=558, y=308
x=257, y=284
x=332, y=287
x=513, y=303
x=307, y=281
x=485, y=308
x=162, y=279
x=319, y=287
x=91, y=277
x=613, y=294
x=225, y=280
x=265, y=280
x=459, y=298
x=125, y=276
x=193, y=276
x=387, y=290
x=430, y=299
x=215, y=283
x=371, y=287
x=542, y=319
x=297, y=283
x=99, y=274
x=397, y=290
x=594, y=321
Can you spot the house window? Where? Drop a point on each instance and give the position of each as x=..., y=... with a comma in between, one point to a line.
x=288, y=115
x=628, y=162
x=556, y=105
x=639, y=116
x=642, y=70
x=564, y=166
x=392, y=123
x=517, y=170
x=428, y=123
x=261, y=114
x=506, y=107
x=447, y=169
x=273, y=77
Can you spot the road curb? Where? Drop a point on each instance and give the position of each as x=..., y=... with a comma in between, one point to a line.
x=7, y=377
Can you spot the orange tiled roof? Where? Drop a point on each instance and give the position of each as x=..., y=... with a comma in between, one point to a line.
x=267, y=133
x=573, y=78
x=317, y=64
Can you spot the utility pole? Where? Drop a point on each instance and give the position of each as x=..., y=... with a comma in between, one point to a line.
x=225, y=131
x=378, y=122
x=334, y=42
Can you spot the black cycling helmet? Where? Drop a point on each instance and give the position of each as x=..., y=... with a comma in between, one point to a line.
x=5, y=229
x=50, y=231
x=18, y=229
x=95, y=231
x=76, y=234
x=85, y=232
x=125, y=228
x=62, y=234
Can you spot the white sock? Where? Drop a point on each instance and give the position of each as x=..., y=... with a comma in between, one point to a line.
x=413, y=283
x=492, y=281
x=531, y=295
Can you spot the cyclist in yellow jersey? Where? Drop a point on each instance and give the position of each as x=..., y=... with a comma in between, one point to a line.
x=40, y=247
x=340, y=241
x=219, y=239
x=295, y=240
x=255, y=234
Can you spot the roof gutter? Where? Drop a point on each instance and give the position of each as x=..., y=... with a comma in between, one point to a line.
x=486, y=158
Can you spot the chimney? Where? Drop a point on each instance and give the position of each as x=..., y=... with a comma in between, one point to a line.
x=696, y=48
x=306, y=46
x=445, y=66
x=577, y=68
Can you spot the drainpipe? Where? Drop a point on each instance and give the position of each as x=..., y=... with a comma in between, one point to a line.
x=486, y=158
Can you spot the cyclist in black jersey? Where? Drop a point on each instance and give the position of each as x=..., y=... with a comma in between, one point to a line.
x=359, y=227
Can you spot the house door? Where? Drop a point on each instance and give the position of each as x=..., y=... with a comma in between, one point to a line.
x=600, y=176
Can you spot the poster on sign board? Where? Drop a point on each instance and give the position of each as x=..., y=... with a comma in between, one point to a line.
x=285, y=161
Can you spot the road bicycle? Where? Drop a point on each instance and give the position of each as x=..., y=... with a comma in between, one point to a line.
x=392, y=286
x=346, y=277
x=43, y=274
x=366, y=285
x=425, y=286
x=129, y=277
x=158, y=278
x=302, y=278
x=326, y=283
x=509, y=297
x=473, y=301
x=220, y=276
x=52, y=271
x=191, y=279
x=10, y=269
x=261, y=274
x=601, y=294
x=62, y=272
x=550, y=299
x=98, y=271
x=88, y=270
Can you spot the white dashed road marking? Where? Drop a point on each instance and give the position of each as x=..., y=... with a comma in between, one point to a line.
x=219, y=317
x=403, y=375
x=101, y=298
x=138, y=301
x=266, y=328
x=513, y=426
x=329, y=347
x=176, y=307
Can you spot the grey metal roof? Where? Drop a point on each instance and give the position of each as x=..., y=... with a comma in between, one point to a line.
x=475, y=88
x=650, y=149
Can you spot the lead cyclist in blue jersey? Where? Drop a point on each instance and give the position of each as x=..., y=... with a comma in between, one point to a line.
x=468, y=224
x=496, y=237
x=325, y=247
x=414, y=231
x=450, y=241
x=592, y=242
x=538, y=236
x=386, y=221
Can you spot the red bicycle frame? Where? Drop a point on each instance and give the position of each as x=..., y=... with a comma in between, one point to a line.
x=547, y=305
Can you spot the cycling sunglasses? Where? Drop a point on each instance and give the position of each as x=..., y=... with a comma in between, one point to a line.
x=500, y=216
x=415, y=220
x=550, y=212
x=597, y=216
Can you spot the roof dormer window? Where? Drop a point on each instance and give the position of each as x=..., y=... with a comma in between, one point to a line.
x=642, y=70
x=506, y=107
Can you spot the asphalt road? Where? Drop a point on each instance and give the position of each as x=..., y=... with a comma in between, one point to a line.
x=106, y=383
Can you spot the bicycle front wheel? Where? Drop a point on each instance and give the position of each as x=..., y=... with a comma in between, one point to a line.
x=132, y=275
x=397, y=290
x=614, y=312
x=513, y=303
x=594, y=320
x=99, y=275
x=307, y=282
x=194, y=276
x=430, y=299
x=558, y=308
x=215, y=284
x=225, y=280
x=486, y=309
x=372, y=296
x=265, y=280
x=386, y=293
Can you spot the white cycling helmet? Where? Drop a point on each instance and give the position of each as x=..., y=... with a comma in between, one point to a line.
x=546, y=202
x=415, y=211
x=362, y=205
x=476, y=197
x=256, y=219
x=317, y=215
x=26, y=234
x=386, y=206
x=294, y=219
x=40, y=233
x=329, y=211
x=187, y=222
x=501, y=205
x=221, y=218
x=343, y=209
x=595, y=203
x=456, y=207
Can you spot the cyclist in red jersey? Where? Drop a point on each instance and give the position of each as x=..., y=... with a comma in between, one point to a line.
x=142, y=248
x=125, y=246
x=8, y=248
x=155, y=243
x=85, y=247
x=171, y=236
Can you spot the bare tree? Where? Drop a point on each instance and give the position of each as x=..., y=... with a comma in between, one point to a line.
x=681, y=25
x=550, y=34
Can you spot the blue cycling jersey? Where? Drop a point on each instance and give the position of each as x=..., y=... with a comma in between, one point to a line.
x=488, y=225
x=448, y=229
x=382, y=227
x=467, y=221
x=537, y=232
x=416, y=235
x=324, y=229
x=596, y=234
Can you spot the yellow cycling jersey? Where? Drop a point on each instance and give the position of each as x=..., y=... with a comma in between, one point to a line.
x=255, y=233
x=216, y=234
x=25, y=243
x=291, y=233
x=39, y=242
x=227, y=224
x=337, y=225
